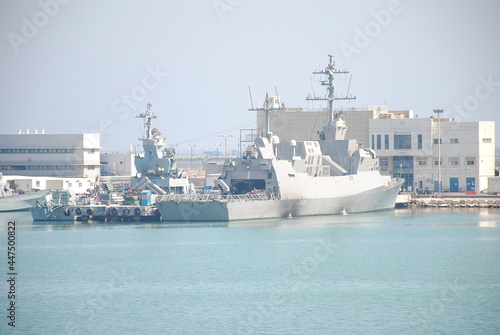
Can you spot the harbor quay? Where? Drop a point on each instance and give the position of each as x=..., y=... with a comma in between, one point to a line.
x=449, y=200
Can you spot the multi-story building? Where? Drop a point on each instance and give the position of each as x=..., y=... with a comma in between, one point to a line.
x=304, y=124
x=406, y=145
x=50, y=155
x=425, y=151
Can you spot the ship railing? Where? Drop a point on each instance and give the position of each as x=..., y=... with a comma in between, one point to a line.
x=211, y=197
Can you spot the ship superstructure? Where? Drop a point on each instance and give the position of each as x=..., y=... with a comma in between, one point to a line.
x=156, y=165
x=329, y=176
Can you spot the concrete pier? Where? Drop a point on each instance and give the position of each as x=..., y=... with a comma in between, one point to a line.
x=460, y=200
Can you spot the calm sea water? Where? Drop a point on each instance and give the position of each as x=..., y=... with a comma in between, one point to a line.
x=401, y=272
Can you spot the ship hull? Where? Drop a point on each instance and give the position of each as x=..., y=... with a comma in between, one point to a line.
x=381, y=198
x=21, y=202
x=51, y=214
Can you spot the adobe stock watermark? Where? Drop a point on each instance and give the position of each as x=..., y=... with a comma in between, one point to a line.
x=97, y=303
x=123, y=106
x=30, y=28
x=127, y=102
x=222, y=7
x=364, y=36
x=462, y=111
x=251, y=322
x=484, y=90
x=432, y=311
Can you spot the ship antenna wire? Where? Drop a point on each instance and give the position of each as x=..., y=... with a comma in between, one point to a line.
x=349, y=86
x=312, y=86
x=277, y=95
x=251, y=100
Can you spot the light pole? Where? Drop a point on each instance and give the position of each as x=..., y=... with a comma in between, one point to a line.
x=225, y=141
x=191, y=160
x=439, y=111
x=217, y=145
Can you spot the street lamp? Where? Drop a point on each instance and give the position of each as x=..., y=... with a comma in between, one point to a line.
x=191, y=160
x=217, y=145
x=225, y=141
x=439, y=111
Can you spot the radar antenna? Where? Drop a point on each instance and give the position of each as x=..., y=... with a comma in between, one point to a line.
x=329, y=72
x=148, y=115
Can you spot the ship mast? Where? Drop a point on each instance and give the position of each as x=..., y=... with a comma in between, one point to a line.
x=148, y=115
x=329, y=72
x=270, y=104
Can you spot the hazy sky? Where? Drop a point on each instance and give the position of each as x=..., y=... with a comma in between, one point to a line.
x=86, y=66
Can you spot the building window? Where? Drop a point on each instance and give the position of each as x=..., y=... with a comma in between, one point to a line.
x=384, y=164
x=470, y=161
x=37, y=151
x=436, y=141
x=402, y=141
x=379, y=141
x=419, y=141
x=454, y=140
x=386, y=142
x=486, y=140
x=422, y=162
x=436, y=162
x=454, y=162
x=402, y=167
x=373, y=141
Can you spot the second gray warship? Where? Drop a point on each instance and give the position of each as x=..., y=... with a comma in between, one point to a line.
x=332, y=175
x=157, y=172
x=156, y=166
x=12, y=201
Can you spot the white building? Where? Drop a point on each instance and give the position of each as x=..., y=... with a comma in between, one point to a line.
x=412, y=149
x=118, y=164
x=406, y=145
x=50, y=155
x=26, y=183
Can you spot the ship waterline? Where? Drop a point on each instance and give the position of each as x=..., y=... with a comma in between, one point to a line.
x=22, y=202
x=258, y=206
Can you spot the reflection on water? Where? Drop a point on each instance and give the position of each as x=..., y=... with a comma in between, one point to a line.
x=484, y=217
x=487, y=223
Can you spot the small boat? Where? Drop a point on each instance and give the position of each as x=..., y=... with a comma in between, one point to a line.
x=11, y=201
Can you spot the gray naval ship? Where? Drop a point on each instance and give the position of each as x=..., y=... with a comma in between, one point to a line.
x=157, y=172
x=12, y=201
x=332, y=175
x=156, y=166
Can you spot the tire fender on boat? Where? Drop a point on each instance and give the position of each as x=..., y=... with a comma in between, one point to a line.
x=78, y=211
